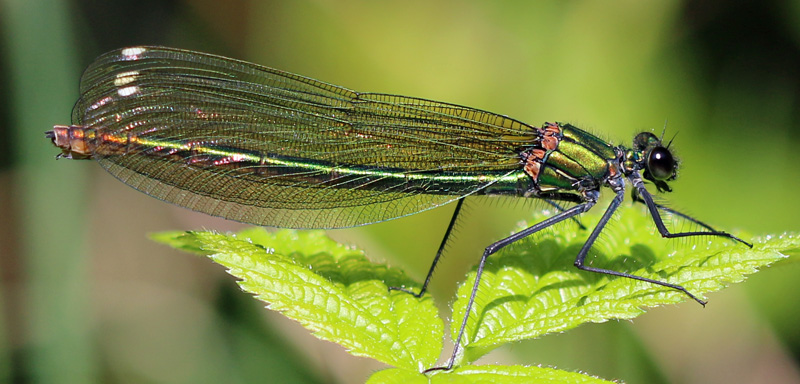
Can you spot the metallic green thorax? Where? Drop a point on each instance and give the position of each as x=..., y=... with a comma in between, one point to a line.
x=571, y=160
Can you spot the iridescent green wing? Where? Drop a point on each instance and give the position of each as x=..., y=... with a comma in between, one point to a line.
x=267, y=147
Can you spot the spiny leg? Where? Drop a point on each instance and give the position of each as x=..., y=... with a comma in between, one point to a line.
x=491, y=249
x=438, y=254
x=579, y=260
x=581, y=257
x=643, y=195
x=559, y=208
x=446, y=238
x=671, y=211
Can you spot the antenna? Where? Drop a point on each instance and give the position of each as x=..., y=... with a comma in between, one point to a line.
x=664, y=130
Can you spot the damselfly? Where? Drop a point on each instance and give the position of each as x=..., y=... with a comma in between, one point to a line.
x=267, y=147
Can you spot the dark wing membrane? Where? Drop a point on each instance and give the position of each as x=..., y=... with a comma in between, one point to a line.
x=161, y=95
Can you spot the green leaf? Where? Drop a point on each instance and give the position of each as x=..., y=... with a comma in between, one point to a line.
x=484, y=374
x=331, y=289
x=531, y=288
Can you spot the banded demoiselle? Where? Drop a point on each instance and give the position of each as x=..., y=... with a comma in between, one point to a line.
x=267, y=147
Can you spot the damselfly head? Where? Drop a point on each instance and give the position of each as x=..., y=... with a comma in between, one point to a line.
x=655, y=159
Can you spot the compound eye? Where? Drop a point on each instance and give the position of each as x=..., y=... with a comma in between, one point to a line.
x=661, y=164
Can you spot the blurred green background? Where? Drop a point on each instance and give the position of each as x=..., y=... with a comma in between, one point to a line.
x=86, y=298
